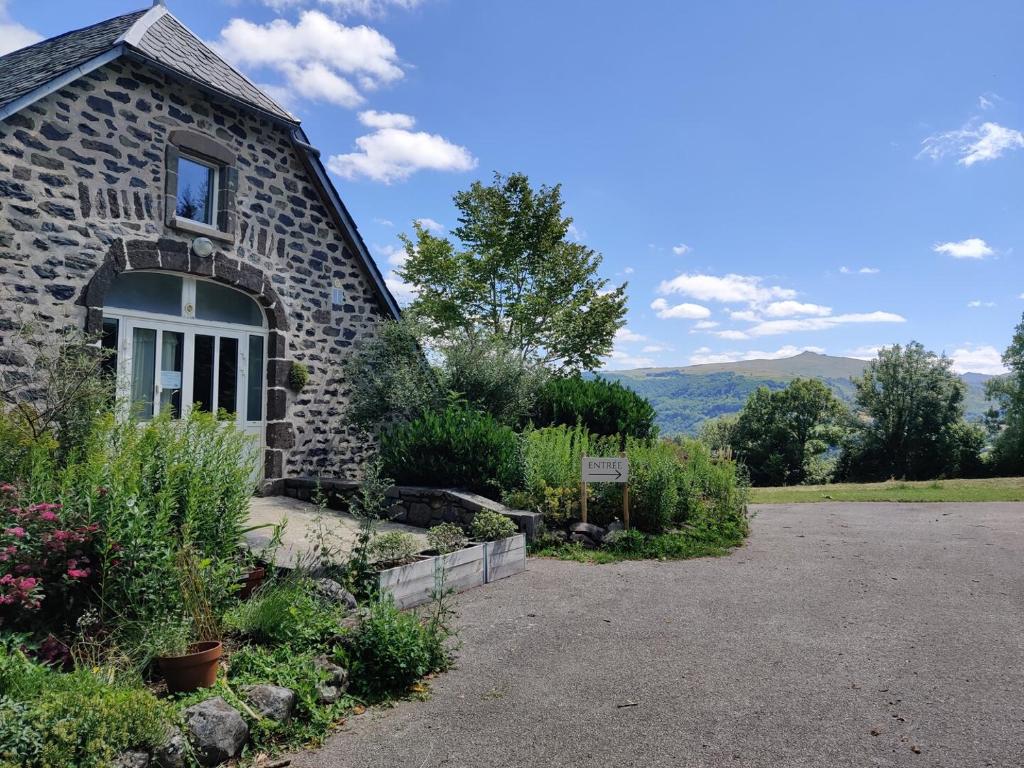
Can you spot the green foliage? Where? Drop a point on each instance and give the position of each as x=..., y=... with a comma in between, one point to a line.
x=490, y=376
x=53, y=720
x=1007, y=456
x=446, y=538
x=718, y=434
x=391, y=380
x=603, y=407
x=913, y=403
x=517, y=274
x=393, y=548
x=492, y=526
x=287, y=612
x=781, y=435
x=298, y=376
x=654, y=477
x=393, y=649
x=454, y=447
x=369, y=505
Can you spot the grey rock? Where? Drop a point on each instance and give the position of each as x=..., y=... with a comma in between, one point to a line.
x=216, y=730
x=331, y=590
x=614, y=525
x=133, y=759
x=337, y=675
x=327, y=694
x=273, y=701
x=172, y=753
x=582, y=538
x=594, y=532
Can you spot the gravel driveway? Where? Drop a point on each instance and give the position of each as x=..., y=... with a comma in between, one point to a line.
x=840, y=635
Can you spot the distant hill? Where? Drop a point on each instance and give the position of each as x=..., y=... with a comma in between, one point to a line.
x=685, y=397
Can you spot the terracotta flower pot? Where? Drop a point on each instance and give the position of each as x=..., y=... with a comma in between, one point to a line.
x=251, y=582
x=196, y=669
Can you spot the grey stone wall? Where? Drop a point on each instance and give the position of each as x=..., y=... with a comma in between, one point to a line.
x=82, y=184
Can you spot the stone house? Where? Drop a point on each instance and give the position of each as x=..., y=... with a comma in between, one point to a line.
x=153, y=196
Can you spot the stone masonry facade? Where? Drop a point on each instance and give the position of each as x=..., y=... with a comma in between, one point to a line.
x=82, y=198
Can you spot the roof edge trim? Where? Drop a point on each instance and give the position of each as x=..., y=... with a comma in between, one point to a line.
x=133, y=35
x=60, y=81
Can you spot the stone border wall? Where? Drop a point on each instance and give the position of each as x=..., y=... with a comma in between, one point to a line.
x=415, y=505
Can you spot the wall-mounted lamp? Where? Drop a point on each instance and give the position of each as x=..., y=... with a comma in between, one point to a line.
x=202, y=247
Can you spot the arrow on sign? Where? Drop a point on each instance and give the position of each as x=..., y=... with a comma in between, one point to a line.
x=617, y=474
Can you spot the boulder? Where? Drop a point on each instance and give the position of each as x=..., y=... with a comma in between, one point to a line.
x=216, y=730
x=330, y=690
x=172, y=753
x=327, y=693
x=582, y=538
x=331, y=590
x=133, y=759
x=594, y=532
x=273, y=701
x=614, y=525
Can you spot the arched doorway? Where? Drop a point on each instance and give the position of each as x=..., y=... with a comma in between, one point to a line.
x=180, y=342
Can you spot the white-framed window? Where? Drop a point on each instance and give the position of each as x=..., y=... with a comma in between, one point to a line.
x=197, y=190
x=183, y=342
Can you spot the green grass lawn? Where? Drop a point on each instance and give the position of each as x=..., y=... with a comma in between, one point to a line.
x=989, y=489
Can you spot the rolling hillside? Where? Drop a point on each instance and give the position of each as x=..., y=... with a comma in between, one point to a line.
x=685, y=397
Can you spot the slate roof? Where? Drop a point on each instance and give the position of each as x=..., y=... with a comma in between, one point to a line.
x=24, y=70
x=154, y=34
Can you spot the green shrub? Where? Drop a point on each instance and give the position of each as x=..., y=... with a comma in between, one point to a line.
x=298, y=376
x=603, y=407
x=712, y=494
x=492, y=526
x=446, y=538
x=393, y=548
x=653, y=485
x=52, y=720
x=631, y=542
x=391, y=650
x=287, y=612
x=454, y=447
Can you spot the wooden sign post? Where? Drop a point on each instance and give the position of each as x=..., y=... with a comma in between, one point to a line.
x=610, y=470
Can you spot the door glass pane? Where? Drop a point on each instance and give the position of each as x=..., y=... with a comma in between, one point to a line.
x=226, y=305
x=254, y=396
x=172, y=346
x=146, y=291
x=143, y=370
x=202, y=373
x=108, y=343
x=227, y=375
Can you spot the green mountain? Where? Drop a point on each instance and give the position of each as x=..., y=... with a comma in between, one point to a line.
x=685, y=397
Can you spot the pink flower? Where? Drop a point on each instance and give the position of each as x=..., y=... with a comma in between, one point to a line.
x=16, y=531
x=7, y=488
x=79, y=573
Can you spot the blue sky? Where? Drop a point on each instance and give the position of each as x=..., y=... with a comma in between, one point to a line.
x=768, y=176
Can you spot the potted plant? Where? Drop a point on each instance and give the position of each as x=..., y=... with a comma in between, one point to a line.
x=504, y=548
x=459, y=563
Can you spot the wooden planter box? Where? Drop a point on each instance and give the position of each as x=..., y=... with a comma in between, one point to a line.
x=505, y=557
x=479, y=564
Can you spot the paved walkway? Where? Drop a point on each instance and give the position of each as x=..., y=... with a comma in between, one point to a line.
x=304, y=520
x=841, y=635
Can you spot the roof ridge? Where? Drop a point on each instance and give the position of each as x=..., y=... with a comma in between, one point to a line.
x=135, y=32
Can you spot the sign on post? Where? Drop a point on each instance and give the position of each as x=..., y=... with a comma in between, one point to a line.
x=611, y=470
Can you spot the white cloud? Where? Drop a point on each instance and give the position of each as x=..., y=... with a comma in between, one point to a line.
x=622, y=359
x=977, y=358
x=679, y=311
x=979, y=303
x=704, y=355
x=350, y=7
x=430, y=225
x=745, y=316
x=651, y=349
x=373, y=119
x=973, y=143
x=985, y=102
x=316, y=56
x=861, y=271
x=394, y=154
x=865, y=353
x=403, y=292
x=628, y=271
x=384, y=222
x=790, y=308
x=971, y=248
x=704, y=325
x=732, y=335
x=625, y=335
x=12, y=34
x=730, y=289
x=776, y=327
x=681, y=250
